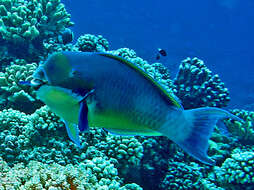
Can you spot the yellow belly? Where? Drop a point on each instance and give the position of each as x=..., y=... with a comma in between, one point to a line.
x=66, y=105
x=60, y=101
x=118, y=123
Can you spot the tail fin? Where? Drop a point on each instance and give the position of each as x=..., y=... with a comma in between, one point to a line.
x=200, y=125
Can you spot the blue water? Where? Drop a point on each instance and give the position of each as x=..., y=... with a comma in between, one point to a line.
x=218, y=31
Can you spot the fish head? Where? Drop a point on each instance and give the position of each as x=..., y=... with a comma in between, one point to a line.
x=39, y=79
x=56, y=70
x=66, y=70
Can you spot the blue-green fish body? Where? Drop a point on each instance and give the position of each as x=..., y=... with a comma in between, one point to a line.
x=106, y=91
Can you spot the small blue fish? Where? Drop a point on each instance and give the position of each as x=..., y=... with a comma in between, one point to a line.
x=107, y=91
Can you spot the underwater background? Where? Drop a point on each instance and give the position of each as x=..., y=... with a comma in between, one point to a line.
x=208, y=63
x=218, y=31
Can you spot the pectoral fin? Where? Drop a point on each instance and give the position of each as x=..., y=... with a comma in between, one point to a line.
x=73, y=132
x=83, y=121
x=83, y=111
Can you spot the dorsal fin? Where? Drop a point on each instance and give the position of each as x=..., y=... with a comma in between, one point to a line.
x=138, y=69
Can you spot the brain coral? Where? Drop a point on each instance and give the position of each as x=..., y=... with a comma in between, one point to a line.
x=197, y=87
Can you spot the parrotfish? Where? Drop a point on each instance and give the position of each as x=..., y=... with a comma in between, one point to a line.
x=106, y=91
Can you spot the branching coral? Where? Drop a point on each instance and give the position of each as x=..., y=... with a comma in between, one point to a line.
x=15, y=134
x=197, y=87
x=24, y=24
x=34, y=26
x=19, y=95
x=221, y=145
x=43, y=137
x=92, y=43
x=94, y=174
x=237, y=172
x=182, y=176
x=243, y=130
x=127, y=150
x=40, y=136
x=52, y=45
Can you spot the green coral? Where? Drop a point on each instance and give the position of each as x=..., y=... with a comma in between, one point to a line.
x=181, y=176
x=15, y=133
x=42, y=136
x=35, y=137
x=92, y=43
x=197, y=87
x=237, y=172
x=221, y=146
x=19, y=96
x=26, y=20
x=97, y=173
x=53, y=45
x=24, y=24
x=127, y=150
x=243, y=130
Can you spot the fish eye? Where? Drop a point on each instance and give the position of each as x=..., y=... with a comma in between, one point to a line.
x=39, y=73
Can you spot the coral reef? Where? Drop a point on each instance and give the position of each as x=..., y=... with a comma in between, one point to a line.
x=97, y=173
x=182, y=176
x=154, y=164
x=25, y=24
x=53, y=45
x=34, y=137
x=14, y=94
x=41, y=136
x=236, y=172
x=36, y=153
x=243, y=130
x=197, y=87
x=127, y=150
x=92, y=43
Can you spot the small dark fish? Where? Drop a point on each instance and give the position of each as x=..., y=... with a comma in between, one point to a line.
x=161, y=52
x=66, y=36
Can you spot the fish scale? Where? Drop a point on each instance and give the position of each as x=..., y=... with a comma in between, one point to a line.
x=140, y=99
x=139, y=108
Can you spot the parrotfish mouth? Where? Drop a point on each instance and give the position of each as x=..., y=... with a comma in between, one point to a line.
x=35, y=83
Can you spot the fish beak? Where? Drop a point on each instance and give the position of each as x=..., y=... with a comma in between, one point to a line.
x=35, y=83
